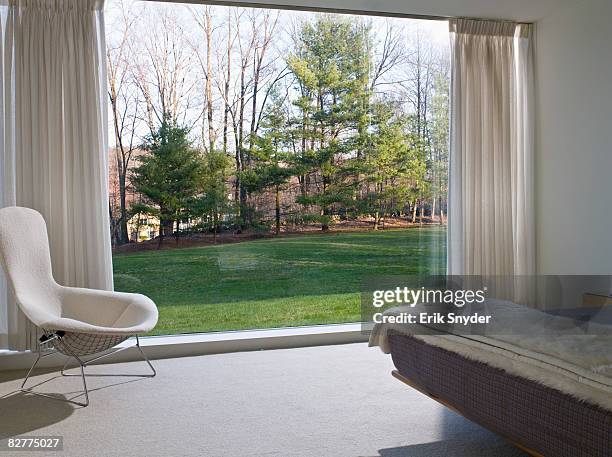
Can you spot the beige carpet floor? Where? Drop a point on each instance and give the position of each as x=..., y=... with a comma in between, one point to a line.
x=325, y=401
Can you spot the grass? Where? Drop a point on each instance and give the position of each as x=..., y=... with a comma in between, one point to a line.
x=289, y=281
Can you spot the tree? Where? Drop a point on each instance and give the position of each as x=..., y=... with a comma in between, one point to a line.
x=211, y=204
x=420, y=73
x=255, y=70
x=440, y=141
x=394, y=163
x=271, y=168
x=124, y=104
x=331, y=68
x=163, y=72
x=168, y=176
x=361, y=115
x=204, y=22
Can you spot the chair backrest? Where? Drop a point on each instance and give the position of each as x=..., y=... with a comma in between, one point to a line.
x=26, y=258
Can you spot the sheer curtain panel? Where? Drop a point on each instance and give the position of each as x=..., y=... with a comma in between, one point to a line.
x=491, y=202
x=54, y=145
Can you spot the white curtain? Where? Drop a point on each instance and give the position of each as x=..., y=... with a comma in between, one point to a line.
x=54, y=145
x=491, y=202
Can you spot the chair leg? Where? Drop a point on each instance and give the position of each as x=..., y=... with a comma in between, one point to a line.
x=82, y=366
x=84, y=385
x=30, y=371
x=144, y=356
x=55, y=397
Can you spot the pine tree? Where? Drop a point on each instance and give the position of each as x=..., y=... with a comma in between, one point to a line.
x=211, y=204
x=168, y=175
x=330, y=65
x=271, y=167
x=394, y=163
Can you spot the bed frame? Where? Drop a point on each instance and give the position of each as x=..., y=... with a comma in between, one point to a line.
x=405, y=380
x=538, y=419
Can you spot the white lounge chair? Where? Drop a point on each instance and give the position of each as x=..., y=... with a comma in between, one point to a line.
x=75, y=322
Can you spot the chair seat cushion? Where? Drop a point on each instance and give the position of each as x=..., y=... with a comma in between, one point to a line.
x=103, y=313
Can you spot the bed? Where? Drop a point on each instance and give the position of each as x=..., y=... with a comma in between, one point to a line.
x=548, y=393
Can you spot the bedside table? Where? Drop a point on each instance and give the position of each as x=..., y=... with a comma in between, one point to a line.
x=596, y=300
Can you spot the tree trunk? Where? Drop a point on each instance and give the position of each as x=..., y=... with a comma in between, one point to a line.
x=113, y=226
x=303, y=180
x=165, y=228
x=377, y=216
x=237, y=185
x=433, y=208
x=160, y=238
x=240, y=126
x=226, y=88
x=422, y=204
x=256, y=75
x=123, y=225
x=258, y=64
x=325, y=223
x=209, y=104
x=325, y=210
x=122, y=164
x=215, y=225
x=277, y=211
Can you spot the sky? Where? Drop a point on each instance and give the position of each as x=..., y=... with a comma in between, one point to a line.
x=435, y=32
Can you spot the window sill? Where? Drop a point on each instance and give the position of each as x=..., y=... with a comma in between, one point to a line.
x=187, y=345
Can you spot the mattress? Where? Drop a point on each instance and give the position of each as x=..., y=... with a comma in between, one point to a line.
x=541, y=418
x=550, y=350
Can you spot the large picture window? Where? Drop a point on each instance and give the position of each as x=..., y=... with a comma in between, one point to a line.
x=264, y=162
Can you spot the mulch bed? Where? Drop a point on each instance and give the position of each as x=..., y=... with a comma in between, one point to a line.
x=207, y=239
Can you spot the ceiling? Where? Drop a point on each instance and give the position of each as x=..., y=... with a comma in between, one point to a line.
x=520, y=10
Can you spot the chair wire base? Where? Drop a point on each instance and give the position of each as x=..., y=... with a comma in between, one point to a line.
x=81, y=364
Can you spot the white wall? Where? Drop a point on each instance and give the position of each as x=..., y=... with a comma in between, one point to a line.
x=574, y=140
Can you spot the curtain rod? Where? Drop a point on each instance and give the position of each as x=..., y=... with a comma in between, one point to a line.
x=323, y=9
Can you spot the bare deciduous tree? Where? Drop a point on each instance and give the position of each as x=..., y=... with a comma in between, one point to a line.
x=124, y=103
x=163, y=72
x=203, y=19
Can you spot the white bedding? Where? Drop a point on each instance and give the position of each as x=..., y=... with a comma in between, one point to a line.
x=576, y=364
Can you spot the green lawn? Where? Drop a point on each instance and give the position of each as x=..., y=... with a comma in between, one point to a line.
x=297, y=280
